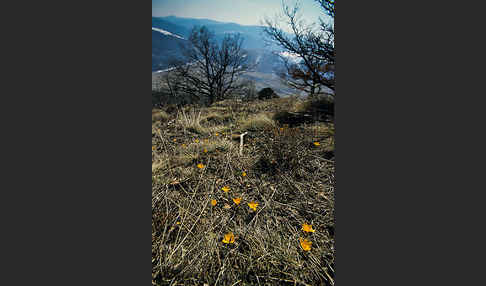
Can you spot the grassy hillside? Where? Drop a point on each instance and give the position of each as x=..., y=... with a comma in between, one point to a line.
x=224, y=218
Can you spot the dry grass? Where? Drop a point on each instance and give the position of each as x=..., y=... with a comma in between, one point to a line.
x=159, y=115
x=216, y=117
x=260, y=121
x=291, y=179
x=192, y=121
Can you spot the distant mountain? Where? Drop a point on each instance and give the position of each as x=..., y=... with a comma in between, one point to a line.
x=253, y=35
x=166, y=46
x=264, y=61
x=188, y=23
x=160, y=23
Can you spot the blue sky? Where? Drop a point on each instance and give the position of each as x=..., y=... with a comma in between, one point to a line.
x=244, y=12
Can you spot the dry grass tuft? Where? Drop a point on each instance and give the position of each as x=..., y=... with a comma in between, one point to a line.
x=257, y=122
x=192, y=121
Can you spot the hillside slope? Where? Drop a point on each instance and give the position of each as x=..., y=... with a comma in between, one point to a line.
x=164, y=49
x=262, y=217
x=160, y=23
x=254, y=39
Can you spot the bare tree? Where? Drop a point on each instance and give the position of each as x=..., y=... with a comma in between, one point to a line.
x=328, y=6
x=313, y=46
x=210, y=70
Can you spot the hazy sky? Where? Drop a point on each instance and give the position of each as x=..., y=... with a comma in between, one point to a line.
x=245, y=12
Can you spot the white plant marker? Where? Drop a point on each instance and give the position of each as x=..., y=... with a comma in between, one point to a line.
x=241, y=142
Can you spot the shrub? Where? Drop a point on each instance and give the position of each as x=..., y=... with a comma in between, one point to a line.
x=267, y=93
x=321, y=108
x=287, y=153
x=292, y=118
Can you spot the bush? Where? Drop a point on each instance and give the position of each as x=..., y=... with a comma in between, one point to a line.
x=321, y=109
x=287, y=153
x=292, y=119
x=267, y=93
